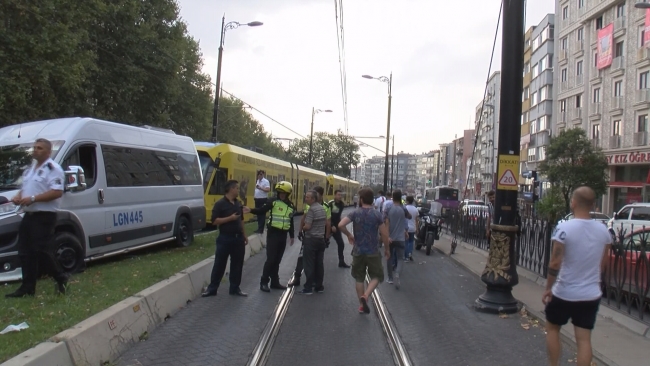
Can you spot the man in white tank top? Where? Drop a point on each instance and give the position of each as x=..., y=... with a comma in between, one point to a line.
x=580, y=250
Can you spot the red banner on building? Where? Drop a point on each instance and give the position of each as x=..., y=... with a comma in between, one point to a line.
x=605, y=46
x=646, y=33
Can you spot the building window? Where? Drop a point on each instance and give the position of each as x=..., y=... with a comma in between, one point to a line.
x=595, y=59
x=616, y=128
x=641, y=35
x=618, y=88
x=618, y=51
x=563, y=105
x=596, y=95
x=595, y=131
x=564, y=43
x=563, y=75
x=643, y=80
x=543, y=123
x=533, y=127
x=581, y=4
x=599, y=22
x=642, y=123
x=541, y=153
x=533, y=99
x=620, y=10
x=531, y=154
x=565, y=12
x=579, y=101
x=579, y=67
x=580, y=34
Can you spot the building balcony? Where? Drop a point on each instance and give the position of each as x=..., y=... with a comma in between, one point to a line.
x=580, y=49
x=640, y=138
x=617, y=105
x=642, y=99
x=576, y=113
x=618, y=66
x=614, y=142
x=643, y=57
x=564, y=85
x=564, y=56
x=596, y=76
x=562, y=117
x=579, y=79
x=595, y=110
x=619, y=26
x=595, y=142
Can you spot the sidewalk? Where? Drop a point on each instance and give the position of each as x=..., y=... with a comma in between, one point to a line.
x=617, y=339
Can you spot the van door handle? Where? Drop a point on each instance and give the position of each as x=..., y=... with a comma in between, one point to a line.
x=100, y=195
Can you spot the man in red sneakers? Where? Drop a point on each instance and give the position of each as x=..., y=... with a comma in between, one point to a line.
x=366, y=256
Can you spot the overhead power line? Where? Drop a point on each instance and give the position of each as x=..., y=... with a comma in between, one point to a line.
x=340, y=40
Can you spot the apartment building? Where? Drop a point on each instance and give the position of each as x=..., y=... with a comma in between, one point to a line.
x=525, y=105
x=428, y=168
x=602, y=71
x=463, y=147
x=487, y=123
x=446, y=164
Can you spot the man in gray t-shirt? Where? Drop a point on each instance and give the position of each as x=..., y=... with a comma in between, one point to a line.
x=315, y=227
x=395, y=218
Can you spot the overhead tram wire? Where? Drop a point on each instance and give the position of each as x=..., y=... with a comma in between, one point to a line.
x=340, y=40
x=480, y=120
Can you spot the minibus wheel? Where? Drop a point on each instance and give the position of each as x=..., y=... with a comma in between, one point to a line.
x=184, y=233
x=69, y=252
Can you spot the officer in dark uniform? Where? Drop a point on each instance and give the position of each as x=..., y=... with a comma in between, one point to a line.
x=299, y=266
x=336, y=208
x=40, y=196
x=279, y=224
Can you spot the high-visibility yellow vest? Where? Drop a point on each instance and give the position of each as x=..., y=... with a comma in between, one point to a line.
x=281, y=215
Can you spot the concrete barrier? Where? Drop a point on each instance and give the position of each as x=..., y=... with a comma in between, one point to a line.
x=44, y=354
x=168, y=296
x=107, y=334
x=200, y=275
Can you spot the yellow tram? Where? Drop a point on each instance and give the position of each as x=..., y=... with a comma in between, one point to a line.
x=222, y=162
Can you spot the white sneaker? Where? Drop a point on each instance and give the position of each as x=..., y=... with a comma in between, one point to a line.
x=390, y=281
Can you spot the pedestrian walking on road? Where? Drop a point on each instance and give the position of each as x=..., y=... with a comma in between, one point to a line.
x=396, y=218
x=413, y=224
x=297, y=273
x=280, y=223
x=227, y=214
x=336, y=207
x=315, y=227
x=40, y=197
x=366, y=255
x=262, y=189
x=580, y=252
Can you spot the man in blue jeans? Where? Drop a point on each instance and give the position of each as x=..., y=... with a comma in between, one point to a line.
x=413, y=224
x=227, y=214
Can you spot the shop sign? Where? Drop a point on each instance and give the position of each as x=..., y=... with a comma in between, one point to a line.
x=633, y=157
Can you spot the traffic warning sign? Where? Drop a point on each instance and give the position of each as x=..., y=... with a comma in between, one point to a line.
x=508, y=172
x=508, y=179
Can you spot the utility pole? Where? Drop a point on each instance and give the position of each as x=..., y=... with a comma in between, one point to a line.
x=500, y=273
x=438, y=170
x=217, y=92
x=392, y=164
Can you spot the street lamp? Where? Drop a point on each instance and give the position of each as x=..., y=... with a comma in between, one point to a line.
x=642, y=5
x=224, y=28
x=389, y=81
x=311, y=135
x=286, y=153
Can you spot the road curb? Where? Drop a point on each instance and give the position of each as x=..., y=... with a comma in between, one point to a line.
x=565, y=335
x=106, y=335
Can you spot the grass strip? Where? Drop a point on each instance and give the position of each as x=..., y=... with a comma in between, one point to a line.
x=103, y=284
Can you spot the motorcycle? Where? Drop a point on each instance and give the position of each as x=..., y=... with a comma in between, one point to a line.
x=429, y=228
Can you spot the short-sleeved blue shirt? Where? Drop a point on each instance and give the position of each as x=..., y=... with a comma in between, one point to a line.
x=366, y=222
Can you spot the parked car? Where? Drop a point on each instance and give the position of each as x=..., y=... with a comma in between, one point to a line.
x=628, y=269
x=630, y=218
x=594, y=215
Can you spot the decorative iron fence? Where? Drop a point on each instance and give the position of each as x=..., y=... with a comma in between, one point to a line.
x=626, y=279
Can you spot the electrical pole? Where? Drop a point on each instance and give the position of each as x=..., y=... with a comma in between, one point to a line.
x=392, y=164
x=500, y=273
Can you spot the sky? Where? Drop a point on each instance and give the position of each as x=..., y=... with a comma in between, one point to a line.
x=438, y=51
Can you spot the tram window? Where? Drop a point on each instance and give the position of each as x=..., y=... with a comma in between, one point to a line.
x=220, y=178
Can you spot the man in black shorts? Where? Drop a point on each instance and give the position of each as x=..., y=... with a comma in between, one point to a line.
x=580, y=252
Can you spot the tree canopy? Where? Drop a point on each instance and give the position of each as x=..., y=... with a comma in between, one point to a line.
x=128, y=61
x=331, y=153
x=572, y=161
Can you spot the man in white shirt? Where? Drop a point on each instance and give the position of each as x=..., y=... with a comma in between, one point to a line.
x=413, y=224
x=262, y=188
x=581, y=248
x=379, y=202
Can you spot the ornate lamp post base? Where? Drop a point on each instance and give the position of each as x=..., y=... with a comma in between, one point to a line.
x=500, y=272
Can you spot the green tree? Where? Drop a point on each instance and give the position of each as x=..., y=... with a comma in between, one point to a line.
x=238, y=127
x=552, y=206
x=331, y=153
x=572, y=161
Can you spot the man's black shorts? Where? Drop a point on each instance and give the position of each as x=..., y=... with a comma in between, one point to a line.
x=582, y=313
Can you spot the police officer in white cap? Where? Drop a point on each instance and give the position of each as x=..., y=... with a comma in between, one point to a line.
x=40, y=196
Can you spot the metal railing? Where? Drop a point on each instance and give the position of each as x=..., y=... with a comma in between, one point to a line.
x=625, y=281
